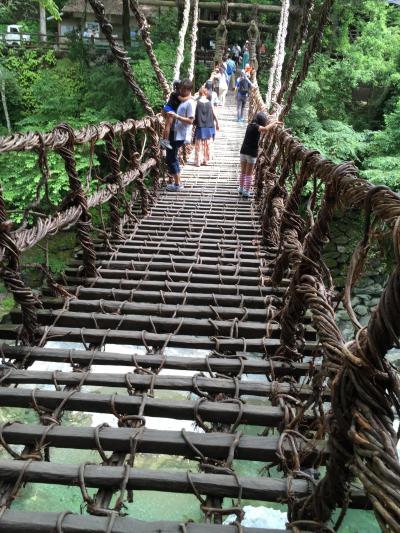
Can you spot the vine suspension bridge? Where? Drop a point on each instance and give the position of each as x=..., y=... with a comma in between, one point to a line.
x=241, y=282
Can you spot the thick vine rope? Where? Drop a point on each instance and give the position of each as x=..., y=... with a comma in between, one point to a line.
x=181, y=45
x=313, y=47
x=221, y=33
x=195, y=29
x=300, y=40
x=254, y=36
x=144, y=32
x=275, y=76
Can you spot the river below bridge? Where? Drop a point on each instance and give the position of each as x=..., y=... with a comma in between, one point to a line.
x=149, y=505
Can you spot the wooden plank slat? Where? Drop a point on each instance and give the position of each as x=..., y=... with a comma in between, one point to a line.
x=144, y=382
x=214, y=445
x=246, y=290
x=35, y=522
x=186, y=326
x=263, y=489
x=105, y=336
x=165, y=296
x=260, y=415
x=217, y=364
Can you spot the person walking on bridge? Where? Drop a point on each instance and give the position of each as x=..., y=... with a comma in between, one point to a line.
x=181, y=134
x=249, y=151
x=243, y=85
x=206, y=123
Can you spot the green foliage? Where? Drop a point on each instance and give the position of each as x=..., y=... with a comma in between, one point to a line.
x=144, y=73
x=348, y=108
x=27, y=65
x=383, y=163
x=20, y=176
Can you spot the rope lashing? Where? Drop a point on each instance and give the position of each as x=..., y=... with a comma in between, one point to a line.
x=181, y=46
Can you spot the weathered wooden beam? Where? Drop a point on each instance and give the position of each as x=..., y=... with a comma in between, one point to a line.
x=104, y=336
x=225, y=253
x=157, y=274
x=31, y=522
x=215, y=445
x=189, y=288
x=160, y=265
x=217, y=364
x=134, y=294
x=239, y=25
x=193, y=311
x=145, y=382
x=216, y=6
x=186, y=326
x=262, y=488
x=224, y=413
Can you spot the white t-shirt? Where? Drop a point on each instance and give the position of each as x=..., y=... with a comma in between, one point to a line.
x=183, y=131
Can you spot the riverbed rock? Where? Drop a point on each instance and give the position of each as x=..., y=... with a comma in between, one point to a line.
x=361, y=310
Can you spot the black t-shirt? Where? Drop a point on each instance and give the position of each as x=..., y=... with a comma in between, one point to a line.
x=250, y=141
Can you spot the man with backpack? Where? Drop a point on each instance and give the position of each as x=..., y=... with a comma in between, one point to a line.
x=243, y=85
x=230, y=71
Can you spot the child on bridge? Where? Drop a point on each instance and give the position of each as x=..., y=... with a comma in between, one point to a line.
x=249, y=150
x=181, y=133
x=174, y=101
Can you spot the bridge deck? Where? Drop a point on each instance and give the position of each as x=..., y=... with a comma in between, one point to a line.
x=186, y=291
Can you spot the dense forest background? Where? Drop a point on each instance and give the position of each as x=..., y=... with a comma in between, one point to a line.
x=348, y=108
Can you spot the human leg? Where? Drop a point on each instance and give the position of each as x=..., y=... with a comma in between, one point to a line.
x=197, y=152
x=248, y=179
x=165, y=143
x=238, y=107
x=173, y=163
x=206, y=151
x=243, y=167
x=222, y=95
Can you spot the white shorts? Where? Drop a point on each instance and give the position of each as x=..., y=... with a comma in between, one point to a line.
x=248, y=159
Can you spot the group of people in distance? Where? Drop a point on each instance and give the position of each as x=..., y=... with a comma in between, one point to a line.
x=183, y=111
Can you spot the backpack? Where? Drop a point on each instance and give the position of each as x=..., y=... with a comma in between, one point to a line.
x=243, y=87
x=230, y=67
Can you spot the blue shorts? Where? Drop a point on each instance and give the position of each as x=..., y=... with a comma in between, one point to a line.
x=167, y=108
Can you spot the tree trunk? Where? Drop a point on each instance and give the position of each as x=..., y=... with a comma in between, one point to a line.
x=4, y=101
x=43, y=23
x=126, y=30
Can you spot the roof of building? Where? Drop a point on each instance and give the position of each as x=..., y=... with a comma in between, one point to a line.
x=112, y=7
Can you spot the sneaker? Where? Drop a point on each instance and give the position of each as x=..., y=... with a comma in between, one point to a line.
x=165, y=144
x=240, y=190
x=173, y=187
x=247, y=194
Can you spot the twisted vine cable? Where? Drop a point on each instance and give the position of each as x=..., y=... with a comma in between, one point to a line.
x=313, y=47
x=195, y=29
x=181, y=45
x=148, y=43
x=274, y=82
x=300, y=40
x=120, y=54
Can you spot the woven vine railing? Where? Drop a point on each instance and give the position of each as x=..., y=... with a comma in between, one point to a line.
x=365, y=387
x=131, y=150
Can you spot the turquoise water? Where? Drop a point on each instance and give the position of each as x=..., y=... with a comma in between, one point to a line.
x=147, y=505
